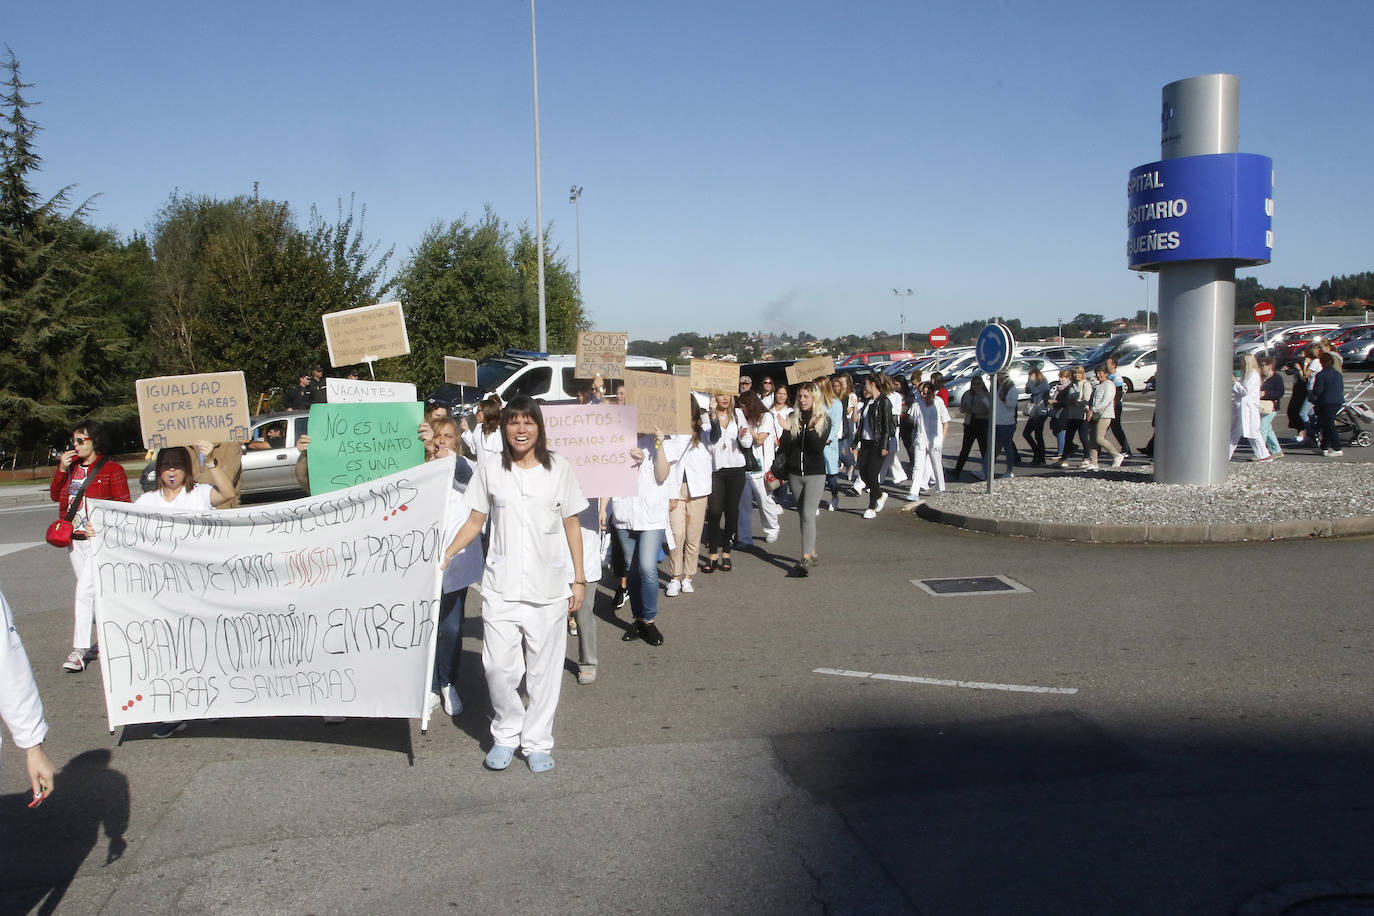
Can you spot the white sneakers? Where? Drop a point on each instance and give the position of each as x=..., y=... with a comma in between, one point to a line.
x=674, y=586
x=882, y=501
x=770, y=536
x=869, y=513
x=1118, y=461
x=687, y=587
x=452, y=705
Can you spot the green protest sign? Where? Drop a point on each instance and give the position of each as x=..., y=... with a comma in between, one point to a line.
x=354, y=443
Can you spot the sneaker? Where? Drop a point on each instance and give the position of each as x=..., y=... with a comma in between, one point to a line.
x=620, y=597
x=1090, y=465
x=830, y=506
x=818, y=511
x=869, y=513
x=453, y=706
x=1276, y=455
x=859, y=487
x=770, y=536
x=882, y=501
x=586, y=676
x=168, y=729
x=800, y=571
x=1333, y=453
x=914, y=496
x=650, y=634
x=674, y=586
x=76, y=661
x=687, y=588
x=433, y=700
x=1118, y=461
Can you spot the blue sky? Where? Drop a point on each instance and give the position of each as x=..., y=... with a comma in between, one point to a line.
x=747, y=166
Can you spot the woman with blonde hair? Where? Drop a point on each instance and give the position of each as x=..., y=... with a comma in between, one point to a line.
x=1245, y=409
x=804, y=444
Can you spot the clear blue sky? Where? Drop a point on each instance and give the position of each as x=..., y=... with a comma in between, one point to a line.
x=768, y=165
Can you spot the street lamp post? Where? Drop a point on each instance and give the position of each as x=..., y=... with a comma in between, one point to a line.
x=902, y=315
x=1305, y=291
x=575, y=198
x=538, y=189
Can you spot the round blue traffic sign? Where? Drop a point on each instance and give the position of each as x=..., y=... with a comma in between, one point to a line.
x=994, y=348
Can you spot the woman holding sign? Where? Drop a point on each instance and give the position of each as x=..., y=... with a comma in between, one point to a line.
x=533, y=578
x=85, y=473
x=728, y=434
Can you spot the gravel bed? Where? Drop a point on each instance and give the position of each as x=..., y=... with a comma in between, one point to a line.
x=1252, y=493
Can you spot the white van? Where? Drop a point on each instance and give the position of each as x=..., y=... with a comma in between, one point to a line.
x=546, y=377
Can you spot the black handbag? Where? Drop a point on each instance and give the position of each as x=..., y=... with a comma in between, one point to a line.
x=751, y=461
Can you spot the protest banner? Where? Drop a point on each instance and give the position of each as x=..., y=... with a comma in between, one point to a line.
x=460, y=371
x=715, y=376
x=601, y=353
x=364, y=334
x=325, y=606
x=181, y=409
x=596, y=439
x=354, y=443
x=358, y=391
x=661, y=400
x=808, y=370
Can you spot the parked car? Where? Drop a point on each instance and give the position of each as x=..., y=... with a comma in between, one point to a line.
x=876, y=358
x=1136, y=368
x=269, y=457
x=1019, y=369
x=543, y=376
x=1358, y=351
x=1278, y=336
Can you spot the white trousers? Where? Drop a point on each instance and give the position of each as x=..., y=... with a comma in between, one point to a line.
x=530, y=641
x=928, y=466
x=80, y=553
x=768, y=506
x=892, y=466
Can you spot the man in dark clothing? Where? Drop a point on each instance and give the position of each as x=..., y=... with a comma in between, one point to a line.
x=318, y=391
x=1327, y=394
x=300, y=397
x=1115, y=428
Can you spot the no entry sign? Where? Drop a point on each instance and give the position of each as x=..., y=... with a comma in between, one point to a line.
x=938, y=338
x=1264, y=311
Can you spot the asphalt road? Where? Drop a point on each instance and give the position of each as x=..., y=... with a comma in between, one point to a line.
x=1209, y=738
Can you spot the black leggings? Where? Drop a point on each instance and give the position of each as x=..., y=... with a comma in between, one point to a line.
x=726, y=486
x=974, y=431
x=870, y=469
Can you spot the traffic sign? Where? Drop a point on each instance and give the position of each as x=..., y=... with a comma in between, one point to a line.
x=994, y=347
x=938, y=338
x=1264, y=311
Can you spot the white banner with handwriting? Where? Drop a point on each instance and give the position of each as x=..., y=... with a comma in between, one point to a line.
x=324, y=606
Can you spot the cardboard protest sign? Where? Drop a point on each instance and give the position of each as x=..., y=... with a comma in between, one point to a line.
x=366, y=333
x=323, y=606
x=358, y=391
x=354, y=443
x=715, y=376
x=601, y=353
x=661, y=400
x=596, y=439
x=181, y=409
x=808, y=370
x=460, y=371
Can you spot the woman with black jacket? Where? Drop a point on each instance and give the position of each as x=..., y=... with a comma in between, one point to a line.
x=875, y=428
x=804, y=444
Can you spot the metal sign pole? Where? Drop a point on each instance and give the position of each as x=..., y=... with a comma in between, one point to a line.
x=990, y=453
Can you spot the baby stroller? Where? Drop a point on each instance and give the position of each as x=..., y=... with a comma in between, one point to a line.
x=1355, y=421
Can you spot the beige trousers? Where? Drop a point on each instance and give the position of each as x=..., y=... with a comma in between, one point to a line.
x=686, y=522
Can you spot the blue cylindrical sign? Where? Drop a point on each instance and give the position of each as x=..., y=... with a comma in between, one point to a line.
x=1200, y=208
x=993, y=348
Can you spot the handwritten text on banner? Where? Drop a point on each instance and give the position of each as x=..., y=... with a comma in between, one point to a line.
x=322, y=606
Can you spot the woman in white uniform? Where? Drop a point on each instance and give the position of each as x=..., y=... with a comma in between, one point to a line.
x=21, y=708
x=533, y=578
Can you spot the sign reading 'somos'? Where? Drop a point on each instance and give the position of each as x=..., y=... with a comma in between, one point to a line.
x=364, y=334
x=1200, y=208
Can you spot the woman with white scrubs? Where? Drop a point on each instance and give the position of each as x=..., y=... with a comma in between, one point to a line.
x=533, y=578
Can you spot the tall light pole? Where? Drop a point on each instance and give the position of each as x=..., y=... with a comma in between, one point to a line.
x=538, y=189
x=1305, y=291
x=902, y=316
x=575, y=198
x=1147, y=298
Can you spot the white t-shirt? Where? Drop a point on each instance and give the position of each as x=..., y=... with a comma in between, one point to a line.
x=527, y=559
x=197, y=499
x=465, y=569
x=933, y=419
x=647, y=510
x=690, y=464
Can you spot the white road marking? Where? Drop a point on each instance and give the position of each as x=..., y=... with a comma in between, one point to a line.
x=940, y=682
x=15, y=548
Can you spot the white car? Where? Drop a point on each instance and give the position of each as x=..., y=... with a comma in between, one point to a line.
x=1136, y=368
x=1020, y=369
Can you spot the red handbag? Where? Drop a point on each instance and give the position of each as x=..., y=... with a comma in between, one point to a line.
x=59, y=533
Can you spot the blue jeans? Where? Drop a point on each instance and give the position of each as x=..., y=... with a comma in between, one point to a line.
x=641, y=562
x=1271, y=441
x=448, y=648
x=1006, y=441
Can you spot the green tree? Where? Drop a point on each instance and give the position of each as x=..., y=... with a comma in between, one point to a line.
x=242, y=287
x=69, y=347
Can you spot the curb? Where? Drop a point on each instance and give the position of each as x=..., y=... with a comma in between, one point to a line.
x=1220, y=533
